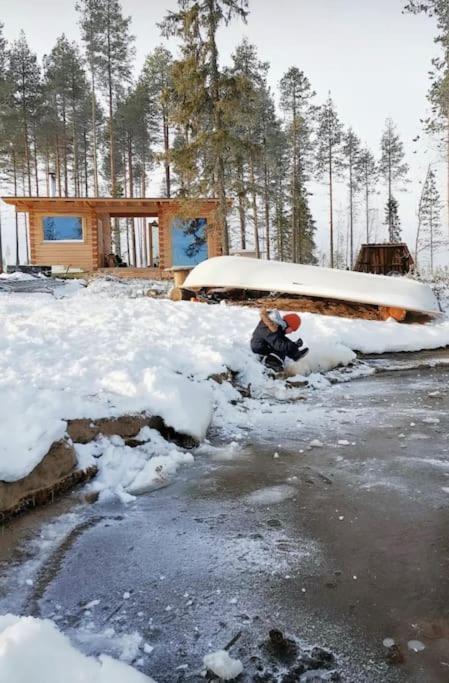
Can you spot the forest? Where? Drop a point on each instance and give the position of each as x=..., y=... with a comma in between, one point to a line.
x=87, y=117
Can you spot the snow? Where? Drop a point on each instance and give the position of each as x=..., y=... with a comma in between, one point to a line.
x=416, y=645
x=108, y=350
x=35, y=650
x=223, y=665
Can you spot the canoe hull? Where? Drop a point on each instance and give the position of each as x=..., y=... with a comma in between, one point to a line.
x=238, y=272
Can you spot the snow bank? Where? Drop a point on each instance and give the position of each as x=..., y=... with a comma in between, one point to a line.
x=35, y=650
x=94, y=353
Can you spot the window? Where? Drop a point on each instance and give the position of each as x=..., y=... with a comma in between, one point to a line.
x=62, y=228
x=189, y=241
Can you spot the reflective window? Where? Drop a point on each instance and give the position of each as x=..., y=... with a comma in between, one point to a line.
x=63, y=228
x=189, y=241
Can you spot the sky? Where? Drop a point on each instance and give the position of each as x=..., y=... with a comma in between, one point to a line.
x=373, y=59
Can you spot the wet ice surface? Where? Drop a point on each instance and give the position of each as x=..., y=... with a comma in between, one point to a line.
x=342, y=545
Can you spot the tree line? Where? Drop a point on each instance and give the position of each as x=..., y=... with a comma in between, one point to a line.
x=206, y=129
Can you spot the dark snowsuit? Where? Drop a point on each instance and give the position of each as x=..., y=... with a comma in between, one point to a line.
x=269, y=340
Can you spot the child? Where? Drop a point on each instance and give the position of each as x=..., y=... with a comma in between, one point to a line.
x=269, y=339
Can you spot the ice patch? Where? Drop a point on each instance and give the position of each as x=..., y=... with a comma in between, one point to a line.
x=416, y=645
x=271, y=495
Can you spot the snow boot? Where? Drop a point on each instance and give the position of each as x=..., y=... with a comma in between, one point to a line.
x=273, y=362
x=303, y=352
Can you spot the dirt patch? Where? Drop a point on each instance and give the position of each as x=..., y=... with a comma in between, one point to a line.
x=128, y=426
x=57, y=473
x=53, y=475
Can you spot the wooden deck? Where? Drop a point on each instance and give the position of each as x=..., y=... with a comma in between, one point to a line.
x=128, y=273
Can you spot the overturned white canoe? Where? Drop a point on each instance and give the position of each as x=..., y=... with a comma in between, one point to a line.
x=238, y=272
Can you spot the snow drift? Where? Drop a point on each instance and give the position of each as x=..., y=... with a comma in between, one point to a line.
x=94, y=355
x=35, y=650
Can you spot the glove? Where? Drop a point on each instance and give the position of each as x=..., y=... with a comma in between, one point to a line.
x=299, y=343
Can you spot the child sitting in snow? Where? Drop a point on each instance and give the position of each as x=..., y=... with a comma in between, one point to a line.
x=270, y=339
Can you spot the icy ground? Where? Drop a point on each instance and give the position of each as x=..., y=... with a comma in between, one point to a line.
x=109, y=349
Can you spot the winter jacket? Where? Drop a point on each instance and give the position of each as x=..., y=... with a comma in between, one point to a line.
x=269, y=337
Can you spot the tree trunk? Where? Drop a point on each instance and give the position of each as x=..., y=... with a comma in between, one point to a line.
x=367, y=205
x=26, y=135
x=93, y=114
x=241, y=197
x=14, y=170
x=36, y=166
x=331, y=209
x=27, y=244
x=267, y=207
x=64, y=149
x=76, y=180
x=86, y=178
x=166, y=154
x=254, y=203
x=351, y=214
x=218, y=126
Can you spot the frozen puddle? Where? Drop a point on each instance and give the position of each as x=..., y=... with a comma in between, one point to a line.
x=271, y=495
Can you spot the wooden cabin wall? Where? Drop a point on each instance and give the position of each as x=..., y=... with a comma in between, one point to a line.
x=83, y=255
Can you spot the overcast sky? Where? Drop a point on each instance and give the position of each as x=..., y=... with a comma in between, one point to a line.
x=372, y=58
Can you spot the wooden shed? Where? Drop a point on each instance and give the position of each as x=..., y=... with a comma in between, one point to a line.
x=76, y=232
x=384, y=259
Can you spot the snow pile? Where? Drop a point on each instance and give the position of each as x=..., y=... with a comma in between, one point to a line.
x=34, y=650
x=223, y=665
x=95, y=353
x=127, y=472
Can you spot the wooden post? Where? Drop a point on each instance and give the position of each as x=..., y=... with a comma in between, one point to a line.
x=150, y=244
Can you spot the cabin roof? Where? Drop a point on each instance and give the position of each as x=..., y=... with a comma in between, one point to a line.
x=125, y=206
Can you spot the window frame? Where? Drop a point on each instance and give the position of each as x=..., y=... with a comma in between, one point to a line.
x=63, y=215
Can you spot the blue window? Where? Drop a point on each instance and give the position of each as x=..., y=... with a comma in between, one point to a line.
x=63, y=228
x=189, y=241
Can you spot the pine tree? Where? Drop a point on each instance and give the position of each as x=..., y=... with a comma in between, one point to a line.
x=156, y=77
x=206, y=16
x=393, y=170
x=24, y=76
x=392, y=219
x=329, y=156
x=67, y=89
x=438, y=95
x=296, y=102
x=431, y=236
x=109, y=48
x=246, y=119
x=352, y=159
x=369, y=177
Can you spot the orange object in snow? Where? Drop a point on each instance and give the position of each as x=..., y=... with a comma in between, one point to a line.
x=293, y=322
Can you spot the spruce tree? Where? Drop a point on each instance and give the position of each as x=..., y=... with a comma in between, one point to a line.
x=296, y=102
x=207, y=16
x=431, y=237
x=438, y=95
x=329, y=157
x=393, y=170
x=392, y=219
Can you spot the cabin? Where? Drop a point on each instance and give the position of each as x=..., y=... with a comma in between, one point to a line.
x=76, y=233
x=391, y=258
